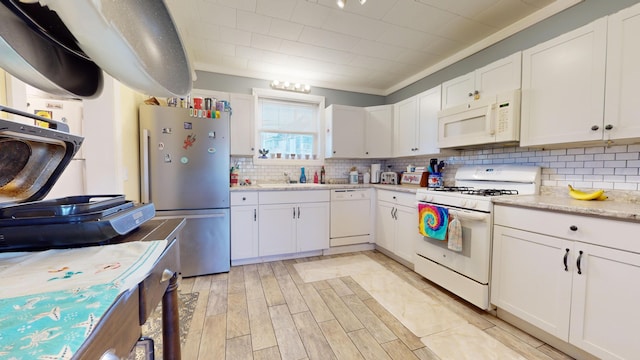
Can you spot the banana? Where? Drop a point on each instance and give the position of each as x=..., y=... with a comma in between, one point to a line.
x=581, y=195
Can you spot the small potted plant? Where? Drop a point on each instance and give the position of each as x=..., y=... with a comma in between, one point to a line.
x=263, y=153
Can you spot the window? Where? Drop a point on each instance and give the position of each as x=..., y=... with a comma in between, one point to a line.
x=289, y=126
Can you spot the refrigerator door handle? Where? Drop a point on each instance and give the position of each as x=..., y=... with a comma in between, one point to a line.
x=144, y=166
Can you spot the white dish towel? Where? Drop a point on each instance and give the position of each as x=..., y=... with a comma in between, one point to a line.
x=454, y=235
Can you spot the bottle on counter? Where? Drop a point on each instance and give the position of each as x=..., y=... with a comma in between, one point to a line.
x=322, y=175
x=303, y=178
x=366, y=178
x=315, y=177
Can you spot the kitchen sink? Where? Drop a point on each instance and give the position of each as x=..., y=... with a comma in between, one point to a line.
x=294, y=185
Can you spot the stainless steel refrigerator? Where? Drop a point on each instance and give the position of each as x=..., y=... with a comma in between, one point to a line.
x=185, y=173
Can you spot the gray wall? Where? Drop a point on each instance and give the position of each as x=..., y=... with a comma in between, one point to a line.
x=243, y=85
x=572, y=18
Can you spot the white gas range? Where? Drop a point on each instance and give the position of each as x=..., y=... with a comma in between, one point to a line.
x=466, y=273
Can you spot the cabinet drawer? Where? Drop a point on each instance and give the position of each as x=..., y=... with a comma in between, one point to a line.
x=398, y=198
x=598, y=231
x=152, y=288
x=116, y=332
x=290, y=197
x=244, y=198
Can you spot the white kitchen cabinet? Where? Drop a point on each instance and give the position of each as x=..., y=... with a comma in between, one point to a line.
x=499, y=76
x=293, y=221
x=242, y=126
x=416, y=124
x=345, y=131
x=244, y=225
x=570, y=278
x=621, y=112
x=378, y=131
x=563, y=83
x=397, y=223
x=404, y=127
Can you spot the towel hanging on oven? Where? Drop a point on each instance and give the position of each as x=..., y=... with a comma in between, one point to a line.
x=433, y=221
x=454, y=234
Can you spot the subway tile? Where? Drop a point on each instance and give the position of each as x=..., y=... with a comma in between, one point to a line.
x=575, y=151
x=604, y=157
x=584, y=171
x=566, y=158
x=632, y=179
x=550, y=158
x=558, y=152
x=584, y=157
x=575, y=178
x=557, y=164
x=575, y=164
x=615, y=163
x=567, y=171
x=625, y=186
x=634, y=147
x=627, y=156
x=604, y=171
x=614, y=178
x=626, y=171
x=593, y=177
x=594, y=164
x=616, y=149
x=542, y=152
x=594, y=150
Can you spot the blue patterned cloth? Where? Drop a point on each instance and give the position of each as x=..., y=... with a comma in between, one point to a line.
x=51, y=325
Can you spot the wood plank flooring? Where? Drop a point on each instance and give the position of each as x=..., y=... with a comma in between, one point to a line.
x=266, y=311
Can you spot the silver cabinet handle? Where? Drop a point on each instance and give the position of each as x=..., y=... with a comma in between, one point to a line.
x=255, y=215
x=298, y=212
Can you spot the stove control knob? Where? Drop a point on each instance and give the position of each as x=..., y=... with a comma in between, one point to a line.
x=472, y=204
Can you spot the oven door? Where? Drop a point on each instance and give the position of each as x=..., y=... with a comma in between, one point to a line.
x=474, y=259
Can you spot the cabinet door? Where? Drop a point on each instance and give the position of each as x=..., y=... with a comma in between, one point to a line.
x=244, y=232
x=406, y=232
x=563, y=87
x=428, y=107
x=242, y=126
x=404, y=127
x=277, y=229
x=458, y=91
x=385, y=225
x=312, y=228
x=529, y=278
x=623, y=56
x=378, y=132
x=345, y=131
x=604, y=305
x=499, y=76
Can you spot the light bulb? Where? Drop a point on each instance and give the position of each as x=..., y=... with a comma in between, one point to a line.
x=362, y=2
x=342, y=3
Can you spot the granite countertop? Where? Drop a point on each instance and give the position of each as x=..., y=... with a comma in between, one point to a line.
x=621, y=210
x=311, y=186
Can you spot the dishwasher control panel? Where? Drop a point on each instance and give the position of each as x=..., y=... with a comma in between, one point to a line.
x=350, y=194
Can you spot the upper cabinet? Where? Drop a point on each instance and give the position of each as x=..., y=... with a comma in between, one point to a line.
x=356, y=132
x=378, y=131
x=242, y=126
x=580, y=86
x=345, y=131
x=621, y=113
x=497, y=77
x=563, y=87
x=416, y=124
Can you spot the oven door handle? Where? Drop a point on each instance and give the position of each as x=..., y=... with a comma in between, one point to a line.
x=470, y=216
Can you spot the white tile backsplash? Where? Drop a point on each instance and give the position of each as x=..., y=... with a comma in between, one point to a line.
x=615, y=167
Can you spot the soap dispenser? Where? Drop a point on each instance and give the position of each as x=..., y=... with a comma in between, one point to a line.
x=303, y=178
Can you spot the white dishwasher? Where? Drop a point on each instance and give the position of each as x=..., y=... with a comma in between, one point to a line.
x=350, y=216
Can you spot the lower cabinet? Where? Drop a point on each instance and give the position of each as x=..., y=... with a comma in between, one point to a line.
x=271, y=223
x=396, y=223
x=244, y=225
x=559, y=279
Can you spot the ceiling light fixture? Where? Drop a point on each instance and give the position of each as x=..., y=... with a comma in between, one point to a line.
x=342, y=3
x=297, y=87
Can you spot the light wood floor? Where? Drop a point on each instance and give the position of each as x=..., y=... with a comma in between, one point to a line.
x=266, y=311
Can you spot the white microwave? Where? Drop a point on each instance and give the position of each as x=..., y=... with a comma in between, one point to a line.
x=492, y=119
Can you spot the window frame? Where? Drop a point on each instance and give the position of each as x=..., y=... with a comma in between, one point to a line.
x=293, y=97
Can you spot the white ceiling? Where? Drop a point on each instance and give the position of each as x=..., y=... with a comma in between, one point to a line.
x=375, y=48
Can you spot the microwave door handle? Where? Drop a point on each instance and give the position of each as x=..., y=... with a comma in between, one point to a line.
x=470, y=216
x=491, y=123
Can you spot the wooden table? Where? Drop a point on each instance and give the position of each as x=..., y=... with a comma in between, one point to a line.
x=119, y=329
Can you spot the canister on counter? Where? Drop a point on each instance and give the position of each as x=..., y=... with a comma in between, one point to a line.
x=435, y=180
x=207, y=103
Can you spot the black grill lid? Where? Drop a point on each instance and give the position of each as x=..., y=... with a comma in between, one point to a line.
x=32, y=158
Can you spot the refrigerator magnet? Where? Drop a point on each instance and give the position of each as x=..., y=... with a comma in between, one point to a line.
x=184, y=159
x=167, y=158
x=188, y=142
x=160, y=146
x=211, y=150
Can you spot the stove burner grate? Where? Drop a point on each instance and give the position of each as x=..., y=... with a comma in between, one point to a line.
x=490, y=192
x=453, y=189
